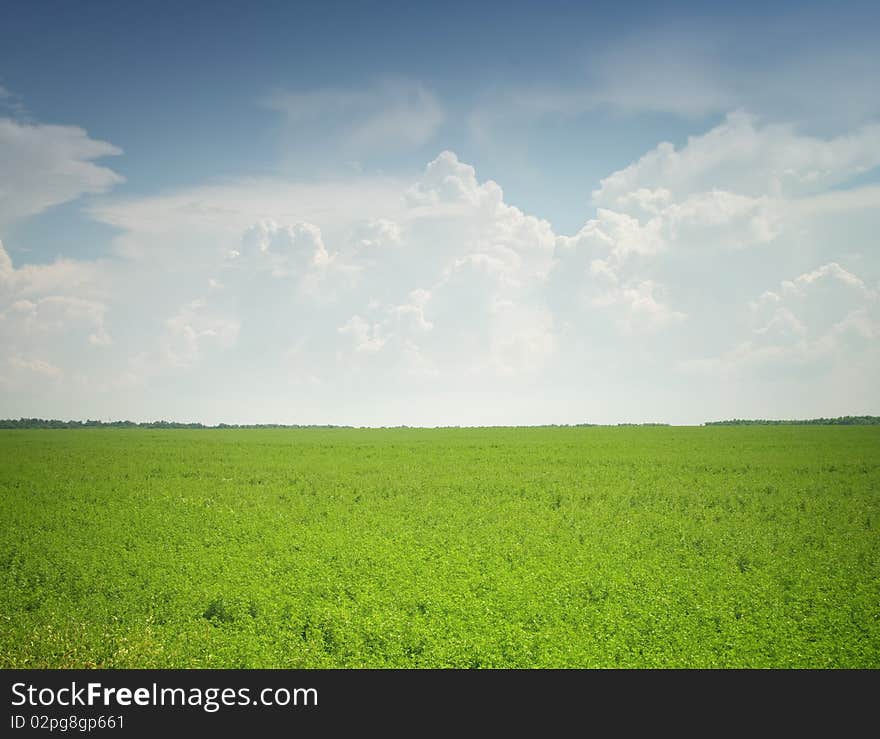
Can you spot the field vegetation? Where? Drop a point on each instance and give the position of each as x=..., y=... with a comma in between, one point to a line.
x=723, y=546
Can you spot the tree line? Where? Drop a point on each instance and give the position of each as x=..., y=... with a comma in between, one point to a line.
x=839, y=421
x=42, y=423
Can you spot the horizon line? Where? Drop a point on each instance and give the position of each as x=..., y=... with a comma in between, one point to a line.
x=37, y=422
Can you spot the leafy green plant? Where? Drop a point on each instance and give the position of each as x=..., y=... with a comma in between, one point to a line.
x=731, y=546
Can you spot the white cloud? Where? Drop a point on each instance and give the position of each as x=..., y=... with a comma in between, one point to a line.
x=60, y=276
x=669, y=222
x=410, y=316
x=638, y=307
x=33, y=366
x=389, y=115
x=214, y=217
x=863, y=323
x=52, y=316
x=617, y=235
x=338, y=298
x=376, y=234
x=391, y=289
x=192, y=332
x=826, y=273
x=6, y=270
x=524, y=339
x=783, y=322
x=743, y=158
x=42, y=166
x=447, y=180
x=721, y=218
x=827, y=315
x=838, y=202
x=813, y=304
x=602, y=269
x=366, y=337
x=58, y=314
x=294, y=248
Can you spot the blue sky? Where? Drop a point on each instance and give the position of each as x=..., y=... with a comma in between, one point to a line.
x=637, y=149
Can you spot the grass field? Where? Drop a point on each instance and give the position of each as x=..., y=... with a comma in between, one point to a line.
x=541, y=547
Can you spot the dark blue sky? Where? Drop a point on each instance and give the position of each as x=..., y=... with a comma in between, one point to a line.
x=140, y=73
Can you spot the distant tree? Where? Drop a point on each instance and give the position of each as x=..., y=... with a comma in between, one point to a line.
x=840, y=421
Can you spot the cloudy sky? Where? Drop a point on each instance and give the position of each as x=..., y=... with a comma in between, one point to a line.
x=382, y=213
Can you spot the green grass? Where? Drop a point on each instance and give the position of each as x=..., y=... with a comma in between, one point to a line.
x=543, y=547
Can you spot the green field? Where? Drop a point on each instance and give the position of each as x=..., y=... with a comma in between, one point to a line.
x=530, y=547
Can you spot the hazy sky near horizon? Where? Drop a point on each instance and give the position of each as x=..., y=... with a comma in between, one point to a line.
x=383, y=213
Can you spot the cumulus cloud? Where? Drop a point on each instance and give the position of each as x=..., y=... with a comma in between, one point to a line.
x=746, y=159
x=376, y=234
x=602, y=269
x=447, y=180
x=825, y=315
x=364, y=336
x=193, y=331
x=43, y=165
x=50, y=313
x=724, y=256
x=293, y=248
x=639, y=308
x=827, y=273
x=57, y=314
x=6, y=270
x=474, y=262
x=189, y=227
x=814, y=303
